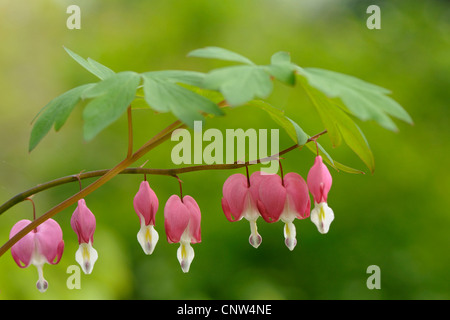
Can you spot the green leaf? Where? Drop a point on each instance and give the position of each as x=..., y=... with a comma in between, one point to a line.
x=322, y=104
x=111, y=98
x=281, y=68
x=164, y=95
x=214, y=96
x=302, y=137
x=91, y=65
x=364, y=100
x=292, y=129
x=240, y=84
x=281, y=57
x=340, y=125
x=55, y=113
x=220, y=54
x=296, y=133
x=178, y=76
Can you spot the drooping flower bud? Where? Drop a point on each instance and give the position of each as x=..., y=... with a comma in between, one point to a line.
x=42, y=245
x=319, y=183
x=146, y=204
x=83, y=223
x=240, y=201
x=182, y=224
x=284, y=199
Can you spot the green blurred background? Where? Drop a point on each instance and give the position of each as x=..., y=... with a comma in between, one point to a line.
x=398, y=218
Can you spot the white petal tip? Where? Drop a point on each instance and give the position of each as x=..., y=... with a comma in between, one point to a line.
x=185, y=265
x=290, y=243
x=185, y=255
x=255, y=240
x=290, y=234
x=42, y=285
x=148, y=238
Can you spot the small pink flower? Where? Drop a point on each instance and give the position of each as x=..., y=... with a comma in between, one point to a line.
x=182, y=224
x=83, y=223
x=284, y=200
x=42, y=245
x=240, y=201
x=146, y=204
x=319, y=183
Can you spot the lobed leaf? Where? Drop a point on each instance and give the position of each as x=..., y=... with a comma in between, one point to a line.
x=340, y=125
x=193, y=78
x=91, y=65
x=164, y=96
x=110, y=99
x=364, y=100
x=298, y=135
x=220, y=54
x=281, y=68
x=239, y=84
x=55, y=113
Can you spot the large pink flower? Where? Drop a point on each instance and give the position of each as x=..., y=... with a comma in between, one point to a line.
x=182, y=223
x=146, y=204
x=240, y=201
x=319, y=183
x=42, y=245
x=284, y=199
x=83, y=223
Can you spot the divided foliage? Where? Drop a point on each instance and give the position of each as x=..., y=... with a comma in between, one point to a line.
x=191, y=95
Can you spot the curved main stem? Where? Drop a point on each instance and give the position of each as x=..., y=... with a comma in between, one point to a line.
x=130, y=132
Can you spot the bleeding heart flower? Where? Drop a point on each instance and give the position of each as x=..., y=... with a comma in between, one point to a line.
x=284, y=199
x=83, y=223
x=240, y=201
x=319, y=183
x=182, y=223
x=146, y=204
x=42, y=245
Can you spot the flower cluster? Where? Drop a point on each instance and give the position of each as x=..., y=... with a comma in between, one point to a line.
x=277, y=198
x=272, y=197
x=181, y=222
x=45, y=243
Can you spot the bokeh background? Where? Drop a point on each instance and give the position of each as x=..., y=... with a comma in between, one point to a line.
x=398, y=218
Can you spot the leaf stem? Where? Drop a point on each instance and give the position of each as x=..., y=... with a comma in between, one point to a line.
x=130, y=132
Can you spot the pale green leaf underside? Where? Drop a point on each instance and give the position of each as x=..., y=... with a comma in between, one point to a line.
x=165, y=96
x=240, y=84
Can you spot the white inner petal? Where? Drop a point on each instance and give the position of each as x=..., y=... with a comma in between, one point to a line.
x=255, y=238
x=185, y=255
x=287, y=216
x=148, y=238
x=290, y=234
x=322, y=216
x=86, y=256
